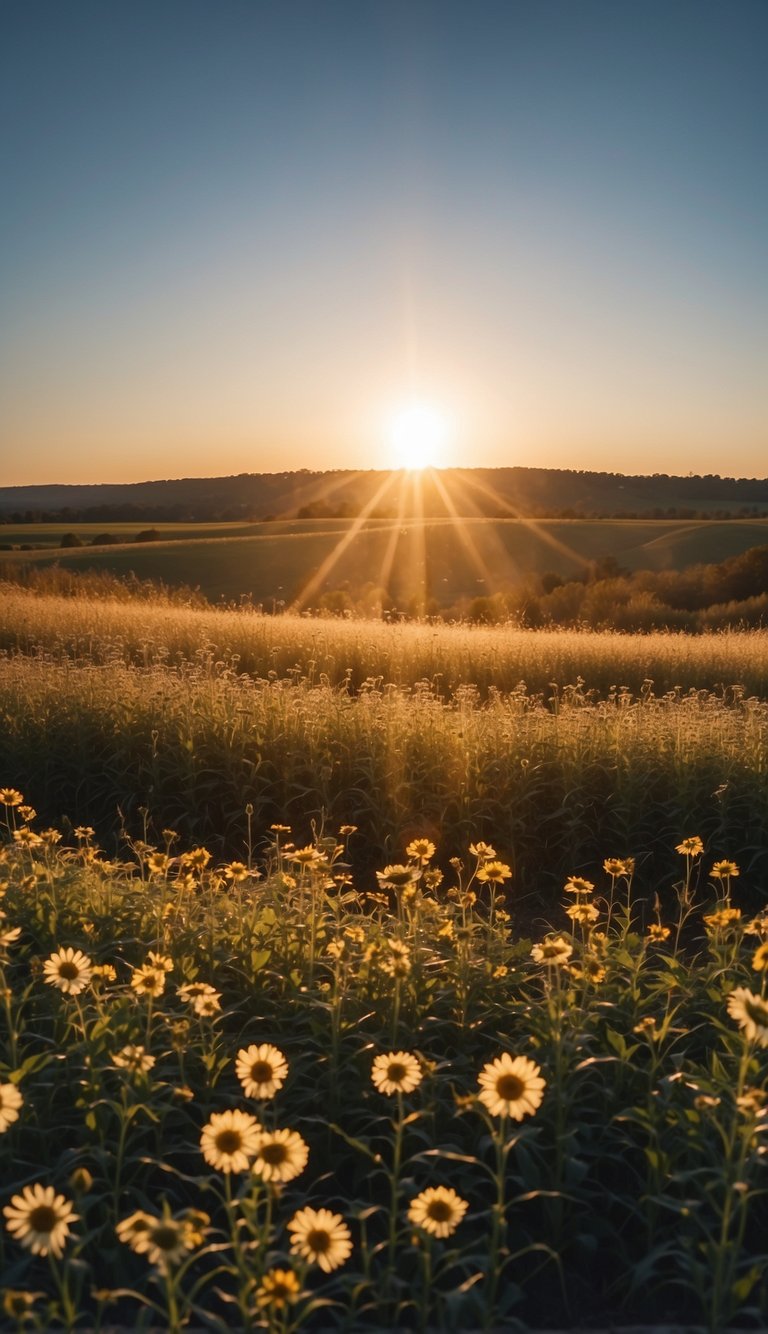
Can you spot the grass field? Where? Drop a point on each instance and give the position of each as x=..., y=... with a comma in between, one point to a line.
x=336, y=851
x=274, y=562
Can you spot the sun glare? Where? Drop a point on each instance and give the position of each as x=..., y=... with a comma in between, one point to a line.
x=418, y=434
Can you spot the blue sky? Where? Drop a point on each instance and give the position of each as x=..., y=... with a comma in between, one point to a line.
x=238, y=236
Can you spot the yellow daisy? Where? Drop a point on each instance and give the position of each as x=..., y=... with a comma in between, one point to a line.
x=751, y=1014
x=690, y=847
x=321, y=1237
x=230, y=1140
x=262, y=1070
x=576, y=884
x=421, y=850
x=396, y=1072
x=438, y=1210
x=280, y=1156
x=166, y=1240
x=133, y=1058
x=398, y=876
x=760, y=958
x=724, y=871
x=148, y=980
x=278, y=1289
x=511, y=1086
x=494, y=872
x=554, y=950
x=10, y=1102
x=40, y=1219
x=69, y=970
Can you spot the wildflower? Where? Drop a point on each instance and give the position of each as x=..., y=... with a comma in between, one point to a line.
x=397, y=963
x=575, y=884
x=10, y=1102
x=81, y=1181
x=646, y=1027
x=345, y=830
x=207, y=1005
x=68, y=969
x=723, y=918
x=447, y=931
x=751, y=1014
x=494, y=872
x=280, y=1156
x=758, y=926
x=690, y=847
x=189, y=991
x=421, y=850
x=84, y=831
x=483, y=851
x=398, y=876
x=50, y=836
x=553, y=950
x=396, y=1072
x=433, y=878
x=158, y=863
x=230, y=1140
x=335, y=948
x=321, y=1237
x=500, y=971
x=760, y=958
x=197, y=858
x=705, y=1102
x=511, y=1086
x=279, y=1289
x=261, y=1070
x=10, y=796
x=135, y=1059
x=355, y=934
x=583, y=912
x=163, y=961
x=9, y=937
x=236, y=871
x=148, y=980
x=751, y=1102
x=658, y=932
x=17, y=1305
x=438, y=1210
x=280, y=828
x=724, y=871
x=40, y=1219
x=166, y=1240
x=104, y=972
x=589, y=968
x=27, y=838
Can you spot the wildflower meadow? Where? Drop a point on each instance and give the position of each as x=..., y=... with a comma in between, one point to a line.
x=445, y=1063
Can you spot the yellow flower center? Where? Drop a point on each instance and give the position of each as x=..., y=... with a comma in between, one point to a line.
x=228, y=1141
x=43, y=1218
x=510, y=1087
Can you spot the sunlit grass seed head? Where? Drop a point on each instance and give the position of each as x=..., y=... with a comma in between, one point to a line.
x=135, y=1059
x=751, y=1014
x=576, y=884
x=396, y=1072
x=279, y=1289
x=438, y=1210
x=281, y=1155
x=148, y=980
x=690, y=847
x=398, y=876
x=511, y=1086
x=10, y=1102
x=421, y=850
x=40, y=1219
x=494, y=872
x=262, y=1070
x=555, y=950
x=230, y=1140
x=320, y=1237
x=69, y=970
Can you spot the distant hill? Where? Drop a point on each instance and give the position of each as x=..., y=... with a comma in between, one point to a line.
x=474, y=492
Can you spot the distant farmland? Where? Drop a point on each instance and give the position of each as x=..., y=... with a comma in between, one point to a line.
x=437, y=557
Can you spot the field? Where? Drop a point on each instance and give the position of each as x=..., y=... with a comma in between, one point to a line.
x=456, y=934
x=274, y=562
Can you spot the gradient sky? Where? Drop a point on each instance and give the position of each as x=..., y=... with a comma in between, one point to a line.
x=236, y=234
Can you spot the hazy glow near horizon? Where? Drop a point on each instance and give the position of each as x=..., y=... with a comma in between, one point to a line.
x=418, y=434
x=228, y=231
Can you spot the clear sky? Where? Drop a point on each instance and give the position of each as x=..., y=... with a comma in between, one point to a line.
x=239, y=235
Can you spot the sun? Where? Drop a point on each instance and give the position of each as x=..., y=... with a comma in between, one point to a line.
x=417, y=434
